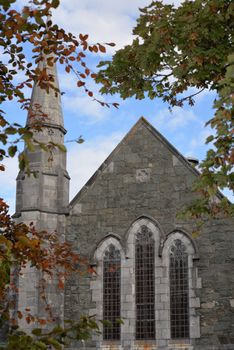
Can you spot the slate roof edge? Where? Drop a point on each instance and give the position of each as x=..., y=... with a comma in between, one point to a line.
x=131, y=132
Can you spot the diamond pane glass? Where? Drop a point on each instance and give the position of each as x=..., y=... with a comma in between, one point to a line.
x=145, y=289
x=111, y=293
x=179, y=291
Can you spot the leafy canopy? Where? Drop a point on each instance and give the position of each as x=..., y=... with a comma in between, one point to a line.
x=174, y=50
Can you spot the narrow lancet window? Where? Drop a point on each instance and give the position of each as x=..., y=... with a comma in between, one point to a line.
x=145, y=285
x=179, y=291
x=111, y=293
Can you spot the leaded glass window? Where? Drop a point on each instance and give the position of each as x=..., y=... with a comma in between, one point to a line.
x=179, y=290
x=111, y=293
x=145, y=289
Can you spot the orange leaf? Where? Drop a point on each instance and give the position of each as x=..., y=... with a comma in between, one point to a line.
x=61, y=284
x=95, y=48
x=102, y=48
x=42, y=322
x=80, y=83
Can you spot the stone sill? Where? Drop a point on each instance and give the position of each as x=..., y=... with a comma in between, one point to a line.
x=179, y=341
x=142, y=342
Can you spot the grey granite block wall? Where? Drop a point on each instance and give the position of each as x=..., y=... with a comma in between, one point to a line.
x=145, y=178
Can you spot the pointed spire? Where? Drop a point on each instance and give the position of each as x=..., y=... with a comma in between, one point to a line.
x=48, y=103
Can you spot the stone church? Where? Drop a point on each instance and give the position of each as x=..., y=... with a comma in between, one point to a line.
x=158, y=285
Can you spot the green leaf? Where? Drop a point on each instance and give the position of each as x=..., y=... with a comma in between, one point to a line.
x=55, y=343
x=37, y=331
x=10, y=130
x=55, y=3
x=209, y=138
x=61, y=147
x=12, y=151
x=40, y=345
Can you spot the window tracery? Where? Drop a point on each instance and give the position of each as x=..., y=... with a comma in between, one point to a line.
x=179, y=291
x=111, y=293
x=145, y=284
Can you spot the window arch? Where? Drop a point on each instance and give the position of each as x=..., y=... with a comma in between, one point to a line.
x=145, y=283
x=179, y=255
x=111, y=293
x=179, y=290
x=108, y=256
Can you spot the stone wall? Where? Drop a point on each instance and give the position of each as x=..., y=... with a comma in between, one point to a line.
x=146, y=177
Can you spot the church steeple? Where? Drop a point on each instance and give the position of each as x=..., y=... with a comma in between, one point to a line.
x=43, y=199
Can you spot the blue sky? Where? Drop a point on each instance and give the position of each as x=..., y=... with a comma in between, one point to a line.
x=103, y=128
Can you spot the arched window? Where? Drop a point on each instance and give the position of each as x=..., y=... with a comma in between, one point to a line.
x=179, y=290
x=145, y=284
x=111, y=293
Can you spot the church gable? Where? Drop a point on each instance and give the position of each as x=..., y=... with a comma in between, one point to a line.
x=143, y=159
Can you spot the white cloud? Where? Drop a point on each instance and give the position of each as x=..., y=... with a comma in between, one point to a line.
x=76, y=101
x=174, y=120
x=104, y=21
x=83, y=105
x=201, y=95
x=9, y=175
x=84, y=160
x=8, y=183
x=198, y=141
